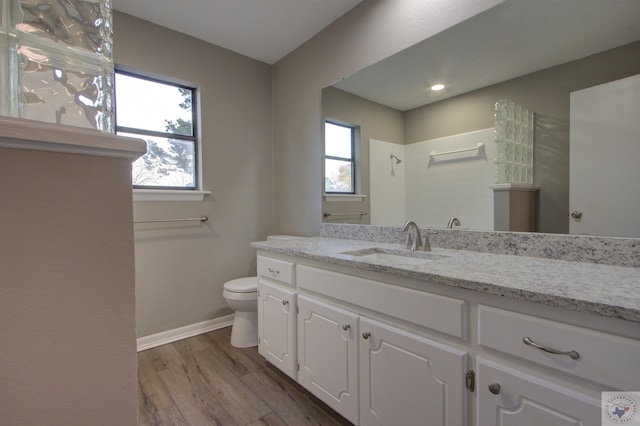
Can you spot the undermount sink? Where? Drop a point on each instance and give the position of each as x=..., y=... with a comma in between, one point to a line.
x=394, y=257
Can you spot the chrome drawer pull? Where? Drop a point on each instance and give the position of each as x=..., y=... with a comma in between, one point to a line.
x=274, y=271
x=345, y=327
x=571, y=354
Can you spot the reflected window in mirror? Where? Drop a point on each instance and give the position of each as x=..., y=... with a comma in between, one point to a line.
x=339, y=158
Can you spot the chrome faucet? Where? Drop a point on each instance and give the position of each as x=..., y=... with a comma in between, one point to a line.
x=453, y=221
x=415, y=242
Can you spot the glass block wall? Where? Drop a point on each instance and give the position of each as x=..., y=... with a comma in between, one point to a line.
x=514, y=143
x=56, y=62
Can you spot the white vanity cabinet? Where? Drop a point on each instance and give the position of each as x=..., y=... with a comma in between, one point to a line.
x=277, y=314
x=383, y=350
x=406, y=379
x=510, y=397
x=370, y=371
x=507, y=397
x=328, y=355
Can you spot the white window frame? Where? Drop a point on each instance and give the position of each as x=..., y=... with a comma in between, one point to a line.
x=156, y=193
x=352, y=159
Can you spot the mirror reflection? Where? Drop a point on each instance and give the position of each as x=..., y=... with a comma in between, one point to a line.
x=558, y=60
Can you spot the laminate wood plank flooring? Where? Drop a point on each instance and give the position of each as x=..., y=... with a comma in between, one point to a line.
x=204, y=380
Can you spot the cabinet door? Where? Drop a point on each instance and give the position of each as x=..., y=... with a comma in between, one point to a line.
x=409, y=380
x=276, y=326
x=327, y=354
x=507, y=397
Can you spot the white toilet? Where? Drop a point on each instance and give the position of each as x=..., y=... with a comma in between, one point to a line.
x=241, y=295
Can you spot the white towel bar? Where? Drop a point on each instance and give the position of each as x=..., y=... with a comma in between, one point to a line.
x=202, y=218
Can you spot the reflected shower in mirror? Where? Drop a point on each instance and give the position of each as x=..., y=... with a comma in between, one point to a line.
x=533, y=53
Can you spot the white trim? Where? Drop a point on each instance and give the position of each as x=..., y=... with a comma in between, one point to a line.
x=168, y=195
x=20, y=133
x=344, y=197
x=169, y=336
x=515, y=187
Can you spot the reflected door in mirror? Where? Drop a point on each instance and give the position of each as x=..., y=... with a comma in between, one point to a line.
x=605, y=150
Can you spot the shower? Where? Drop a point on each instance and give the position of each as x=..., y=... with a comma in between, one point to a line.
x=398, y=161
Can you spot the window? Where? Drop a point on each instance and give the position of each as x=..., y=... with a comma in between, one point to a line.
x=164, y=115
x=339, y=158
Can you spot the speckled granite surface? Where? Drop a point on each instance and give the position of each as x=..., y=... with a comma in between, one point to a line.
x=606, y=290
x=578, y=248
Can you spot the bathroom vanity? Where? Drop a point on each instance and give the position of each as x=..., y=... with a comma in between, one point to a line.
x=448, y=337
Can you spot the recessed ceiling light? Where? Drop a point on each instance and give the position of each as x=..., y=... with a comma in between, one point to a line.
x=437, y=87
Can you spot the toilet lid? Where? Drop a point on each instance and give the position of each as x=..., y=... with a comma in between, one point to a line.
x=242, y=285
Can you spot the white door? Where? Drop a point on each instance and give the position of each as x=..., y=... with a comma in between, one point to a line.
x=507, y=397
x=276, y=326
x=408, y=380
x=328, y=355
x=604, y=173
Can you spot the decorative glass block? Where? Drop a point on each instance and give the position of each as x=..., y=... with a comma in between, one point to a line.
x=57, y=64
x=514, y=143
x=79, y=24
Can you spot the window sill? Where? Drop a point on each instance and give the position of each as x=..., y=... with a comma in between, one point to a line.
x=168, y=195
x=352, y=198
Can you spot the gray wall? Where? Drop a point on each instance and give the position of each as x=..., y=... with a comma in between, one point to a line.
x=547, y=94
x=180, y=269
x=372, y=31
x=67, y=323
x=376, y=122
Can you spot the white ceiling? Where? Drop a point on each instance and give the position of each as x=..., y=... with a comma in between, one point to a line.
x=510, y=40
x=266, y=30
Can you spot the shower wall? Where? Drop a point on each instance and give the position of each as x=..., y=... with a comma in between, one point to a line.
x=388, y=186
x=452, y=185
x=430, y=190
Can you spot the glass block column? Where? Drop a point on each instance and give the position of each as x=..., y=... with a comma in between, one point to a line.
x=515, y=198
x=56, y=62
x=514, y=143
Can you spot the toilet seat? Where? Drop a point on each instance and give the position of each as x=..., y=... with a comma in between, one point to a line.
x=241, y=289
x=242, y=285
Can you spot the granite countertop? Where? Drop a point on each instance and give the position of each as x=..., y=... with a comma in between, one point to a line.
x=610, y=291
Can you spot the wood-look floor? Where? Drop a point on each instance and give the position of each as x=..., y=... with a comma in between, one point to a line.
x=204, y=380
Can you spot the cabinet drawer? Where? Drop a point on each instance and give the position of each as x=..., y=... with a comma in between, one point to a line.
x=444, y=314
x=275, y=269
x=604, y=358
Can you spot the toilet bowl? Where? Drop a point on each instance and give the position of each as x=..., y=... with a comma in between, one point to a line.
x=241, y=295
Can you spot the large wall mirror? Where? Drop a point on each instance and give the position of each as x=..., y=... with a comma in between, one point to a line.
x=534, y=53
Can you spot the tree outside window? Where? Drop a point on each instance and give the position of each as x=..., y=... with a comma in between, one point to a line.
x=339, y=162
x=163, y=114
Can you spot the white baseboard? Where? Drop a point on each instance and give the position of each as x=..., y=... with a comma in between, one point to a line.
x=148, y=342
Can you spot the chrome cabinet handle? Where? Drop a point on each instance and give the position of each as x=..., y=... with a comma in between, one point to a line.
x=576, y=214
x=571, y=354
x=345, y=327
x=494, y=388
x=273, y=271
x=366, y=335
x=285, y=302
